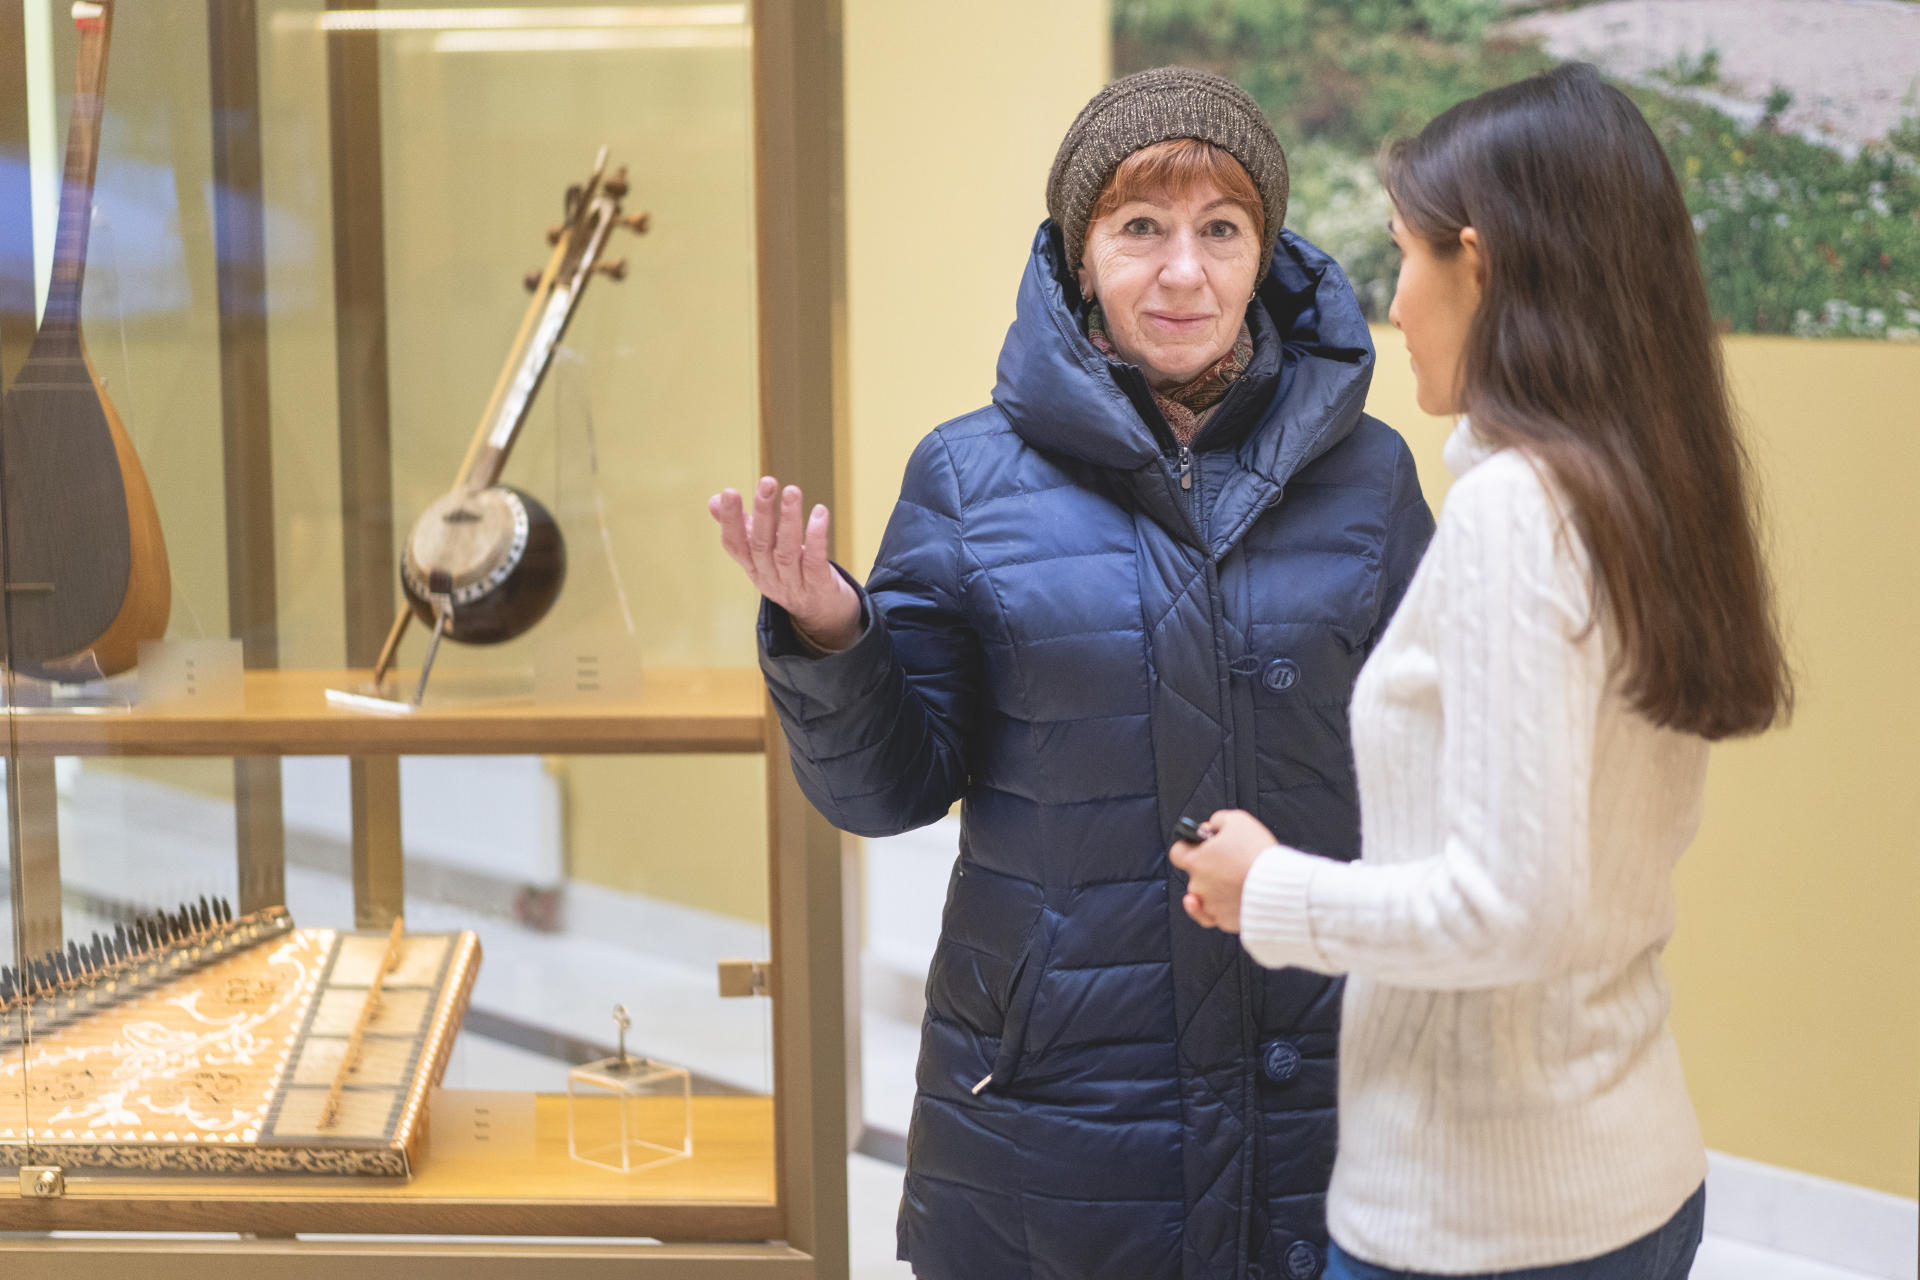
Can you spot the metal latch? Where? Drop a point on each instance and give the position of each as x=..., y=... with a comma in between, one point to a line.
x=42, y=1181
x=746, y=978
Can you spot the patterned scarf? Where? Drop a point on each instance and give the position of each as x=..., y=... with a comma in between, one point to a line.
x=1185, y=406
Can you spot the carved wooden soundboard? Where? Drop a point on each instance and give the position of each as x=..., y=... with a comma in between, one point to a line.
x=216, y=1050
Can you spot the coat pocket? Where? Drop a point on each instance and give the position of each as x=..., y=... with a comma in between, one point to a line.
x=1027, y=974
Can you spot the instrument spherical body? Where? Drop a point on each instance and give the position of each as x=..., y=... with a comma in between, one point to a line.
x=503, y=555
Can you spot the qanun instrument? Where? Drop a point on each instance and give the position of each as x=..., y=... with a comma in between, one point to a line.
x=200, y=1042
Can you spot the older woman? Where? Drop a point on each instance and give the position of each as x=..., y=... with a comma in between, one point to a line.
x=1137, y=585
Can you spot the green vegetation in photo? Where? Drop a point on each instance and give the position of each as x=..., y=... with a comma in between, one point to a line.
x=1794, y=237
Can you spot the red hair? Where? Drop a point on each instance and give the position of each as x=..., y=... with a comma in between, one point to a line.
x=1174, y=168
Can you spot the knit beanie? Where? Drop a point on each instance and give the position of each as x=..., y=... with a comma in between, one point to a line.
x=1152, y=106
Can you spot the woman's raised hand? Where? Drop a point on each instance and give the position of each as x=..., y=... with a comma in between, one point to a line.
x=788, y=564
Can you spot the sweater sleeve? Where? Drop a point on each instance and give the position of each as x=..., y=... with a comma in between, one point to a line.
x=1492, y=897
x=877, y=732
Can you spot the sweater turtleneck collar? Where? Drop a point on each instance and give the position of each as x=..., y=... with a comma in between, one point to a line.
x=1465, y=449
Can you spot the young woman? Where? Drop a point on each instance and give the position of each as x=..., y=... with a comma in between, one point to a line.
x=1530, y=735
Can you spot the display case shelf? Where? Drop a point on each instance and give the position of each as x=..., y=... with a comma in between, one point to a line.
x=723, y=1192
x=287, y=713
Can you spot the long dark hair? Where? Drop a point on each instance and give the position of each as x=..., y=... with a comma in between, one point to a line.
x=1594, y=351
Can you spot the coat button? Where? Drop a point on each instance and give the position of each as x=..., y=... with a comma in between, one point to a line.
x=1281, y=674
x=1279, y=1060
x=1303, y=1261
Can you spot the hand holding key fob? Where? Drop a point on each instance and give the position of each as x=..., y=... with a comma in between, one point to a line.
x=1187, y=831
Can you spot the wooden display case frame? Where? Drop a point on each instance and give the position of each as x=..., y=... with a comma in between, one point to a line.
x=800, y=1230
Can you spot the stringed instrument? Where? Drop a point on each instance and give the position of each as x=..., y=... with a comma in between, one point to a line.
x=493, y=550
x=197, y=1042
x=85, y=564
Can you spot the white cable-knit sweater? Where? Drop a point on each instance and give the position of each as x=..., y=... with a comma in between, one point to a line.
x=1510, y=1095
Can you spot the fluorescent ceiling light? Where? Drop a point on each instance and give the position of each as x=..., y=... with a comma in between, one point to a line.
x=562, y=41
x=599, y=17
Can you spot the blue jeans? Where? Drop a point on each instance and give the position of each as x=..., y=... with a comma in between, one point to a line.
x=1664, y=1254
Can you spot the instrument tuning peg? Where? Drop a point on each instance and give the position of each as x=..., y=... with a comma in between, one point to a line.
x=555, y=231
x=637, y=222
x=532, y=281
x=615, y=270
x=616, y=183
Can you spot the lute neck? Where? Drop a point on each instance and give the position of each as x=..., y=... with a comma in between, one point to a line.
x=83, y=156
x=509, y=413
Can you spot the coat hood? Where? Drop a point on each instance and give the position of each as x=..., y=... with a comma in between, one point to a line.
x=1062, y=395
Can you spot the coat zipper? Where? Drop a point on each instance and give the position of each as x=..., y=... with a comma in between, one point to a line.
x=1186, y=467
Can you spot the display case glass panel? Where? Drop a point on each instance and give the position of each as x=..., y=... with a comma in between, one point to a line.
x=356, y=454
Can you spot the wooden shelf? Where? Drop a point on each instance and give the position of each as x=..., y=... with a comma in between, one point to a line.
x=522, y=1185
x=719, y=709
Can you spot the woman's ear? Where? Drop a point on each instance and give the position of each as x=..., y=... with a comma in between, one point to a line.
x=1470, y=245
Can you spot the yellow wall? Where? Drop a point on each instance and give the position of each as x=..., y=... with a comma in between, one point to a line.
x=953, y=116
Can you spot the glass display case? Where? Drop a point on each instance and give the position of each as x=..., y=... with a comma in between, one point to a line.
x=384, y=739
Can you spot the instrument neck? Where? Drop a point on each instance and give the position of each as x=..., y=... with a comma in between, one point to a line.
x=562, y=299
x=76, y=187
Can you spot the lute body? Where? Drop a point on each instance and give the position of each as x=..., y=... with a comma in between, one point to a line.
x=86, y=564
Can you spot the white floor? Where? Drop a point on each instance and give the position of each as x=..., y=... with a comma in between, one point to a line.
x=566, y=983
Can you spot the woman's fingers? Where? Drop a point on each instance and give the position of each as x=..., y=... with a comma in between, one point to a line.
x=785, y=556
x=760, y=535
x=786, y=546
x=1198, y=911
x=725, y=508
x=815, y=572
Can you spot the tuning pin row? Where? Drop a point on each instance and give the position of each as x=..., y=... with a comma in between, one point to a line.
x=81, y=963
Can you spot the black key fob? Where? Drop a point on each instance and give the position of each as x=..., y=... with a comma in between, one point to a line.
x=1187, y=831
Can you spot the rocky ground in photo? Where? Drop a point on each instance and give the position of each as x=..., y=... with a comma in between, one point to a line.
x=1852, y=66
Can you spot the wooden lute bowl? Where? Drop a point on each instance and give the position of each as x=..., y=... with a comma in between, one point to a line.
x=86, y=564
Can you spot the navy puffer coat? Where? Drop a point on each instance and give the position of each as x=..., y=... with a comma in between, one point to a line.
x=1081, y=644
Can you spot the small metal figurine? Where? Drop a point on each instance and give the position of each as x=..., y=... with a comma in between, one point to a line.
x=623, y=1021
